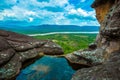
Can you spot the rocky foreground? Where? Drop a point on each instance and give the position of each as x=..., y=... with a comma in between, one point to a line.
x=104, y=61
x=16, y=49
x=101, y=61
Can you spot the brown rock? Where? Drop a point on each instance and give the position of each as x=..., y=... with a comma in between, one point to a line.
x=78, y=62
x=92, y=46
x=6, y=52
x=16, y=49
x=109, y=36
x=108, y=14
x=86, y=58
x=11, y=69
x=23, y=43
x=50, y=48
x=110, y=70
x=102, y=8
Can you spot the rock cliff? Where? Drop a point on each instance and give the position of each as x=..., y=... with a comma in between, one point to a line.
x=15, y=49
x=101, y=61
x=109, y=35
x=108, y=45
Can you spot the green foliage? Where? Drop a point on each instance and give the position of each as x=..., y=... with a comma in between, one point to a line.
x=70, y=42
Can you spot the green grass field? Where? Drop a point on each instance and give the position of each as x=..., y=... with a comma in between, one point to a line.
x=70, y=42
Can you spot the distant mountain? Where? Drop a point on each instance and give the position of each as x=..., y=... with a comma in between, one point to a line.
x=49, y=28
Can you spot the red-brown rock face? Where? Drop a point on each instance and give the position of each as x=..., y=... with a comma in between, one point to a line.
x=108, y=40
x=109, y=18
x=102, y=8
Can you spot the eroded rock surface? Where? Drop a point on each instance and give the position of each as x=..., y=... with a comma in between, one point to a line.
x=110, y=70
x=102, y=8
x=99, y=62
x=16, y=48
x=110, y=29
x=108, y=40
x=86, y=58
x=6, y=52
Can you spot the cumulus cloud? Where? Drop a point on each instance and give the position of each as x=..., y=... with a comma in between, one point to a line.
x=46, y=12
x=31, y=19
x=84, y=22
x=16, y=13
x=82, y=12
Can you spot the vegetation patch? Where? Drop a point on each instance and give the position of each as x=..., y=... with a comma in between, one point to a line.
x=70, y=42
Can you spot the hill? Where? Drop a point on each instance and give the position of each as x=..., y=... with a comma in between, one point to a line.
x=49, y=28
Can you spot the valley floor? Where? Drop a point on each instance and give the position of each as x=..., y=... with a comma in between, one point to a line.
x=70, y=42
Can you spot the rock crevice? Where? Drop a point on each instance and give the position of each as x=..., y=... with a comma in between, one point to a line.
x=108, y=15
x=101, y=61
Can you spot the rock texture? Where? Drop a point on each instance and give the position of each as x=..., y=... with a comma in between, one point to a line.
x=16, y=49
x=107, y=53
x=110, y=29
x=82, y=59
x=102, y=8
x=110, y=70
x=101, y=61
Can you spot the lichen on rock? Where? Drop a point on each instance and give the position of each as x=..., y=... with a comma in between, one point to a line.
x=16, y=49
x=108, y=15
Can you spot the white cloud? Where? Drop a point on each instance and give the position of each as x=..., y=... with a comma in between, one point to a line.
x=1, y=17
x=42, y=4
x=61, y=19
x=85, y=22
x=83, y=0
x=52, y=18
x=17, y=12
x=7, y=2
x=81, y=12
x=89, y=23
x=31, y=19
x=32, y=10
x=60, y=3
x=73, y=11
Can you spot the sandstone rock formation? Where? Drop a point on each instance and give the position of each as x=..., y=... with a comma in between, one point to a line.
x=16, y=49
x=110, y=70
x=86, y=58
x=108, y=40
x=98, y=62
x=109, y=36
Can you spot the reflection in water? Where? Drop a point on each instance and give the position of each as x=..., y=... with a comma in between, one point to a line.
x=47, y=68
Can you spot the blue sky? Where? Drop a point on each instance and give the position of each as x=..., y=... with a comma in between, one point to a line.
x=38, y=12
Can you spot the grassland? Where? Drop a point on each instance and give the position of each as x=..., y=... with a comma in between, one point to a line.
x=70, y=42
